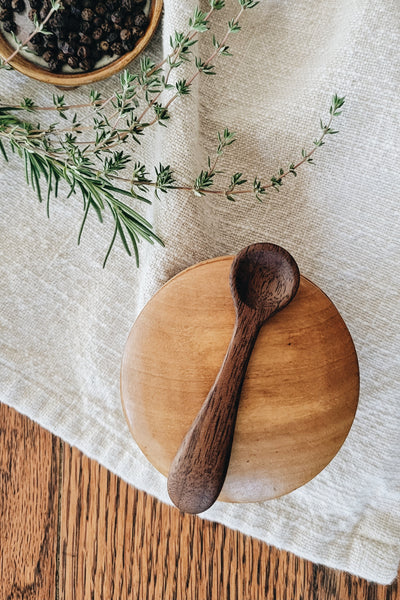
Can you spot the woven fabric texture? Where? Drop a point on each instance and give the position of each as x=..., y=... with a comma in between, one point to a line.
x=64, y=320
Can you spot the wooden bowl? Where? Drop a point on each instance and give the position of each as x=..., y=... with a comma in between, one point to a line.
x=299, y=396
x=31, y=69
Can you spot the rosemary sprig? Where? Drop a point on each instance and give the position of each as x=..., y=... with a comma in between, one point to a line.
x=96, y=187
x=96, y=168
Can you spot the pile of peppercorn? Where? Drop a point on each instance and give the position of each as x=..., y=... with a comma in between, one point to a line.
x=81, y=31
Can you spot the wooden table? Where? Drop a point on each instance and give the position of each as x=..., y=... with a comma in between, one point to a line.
x=69, y=529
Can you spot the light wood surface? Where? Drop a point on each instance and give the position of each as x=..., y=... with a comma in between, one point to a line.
x=34, y=70
x=71, y=530
x=298, y=400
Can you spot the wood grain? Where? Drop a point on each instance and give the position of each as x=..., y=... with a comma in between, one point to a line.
x=298, y=399
x=118, y=543
x=29, y=468
x=263, y=278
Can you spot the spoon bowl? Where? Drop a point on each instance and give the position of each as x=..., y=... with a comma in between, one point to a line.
x=264, y=278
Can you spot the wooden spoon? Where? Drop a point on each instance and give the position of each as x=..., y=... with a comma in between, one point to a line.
x=264, y=278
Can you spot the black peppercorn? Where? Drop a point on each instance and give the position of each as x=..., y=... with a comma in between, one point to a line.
x=125, y=35
x=5, y=14
x=50, y=41
x=117, y=48
x=106, y=27
x=82, y=52
x=67, y=49
x=85, y=27
x=85, y=40
x=128, y=5
x=35, y=46
x=117, y=17
x=104, y=46
x=141, y=21
x=112, y=37
x=136, y=32
x=100, y=9
x=48, y=55
x=97, y=34
x=53, y=65
x=61, y=58
x=86, y=64
x=37, y=39
x=18, y=5
x=10, y=27
x=98, y=22
x=95, y=54
x=128, y=45
x=32, y=14
x=113, y=5
x=62, y=35
x=56, y=20
x=87, y=14
x=76, y=12
x=129, y=21
x=73, y=62
x=73, y=38
x=44, y=11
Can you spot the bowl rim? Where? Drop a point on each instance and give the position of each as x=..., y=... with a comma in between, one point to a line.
x=26, y=67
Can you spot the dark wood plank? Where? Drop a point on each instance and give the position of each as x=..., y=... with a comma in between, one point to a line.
x=332, y=585
x=29, y=468
x=118, y=543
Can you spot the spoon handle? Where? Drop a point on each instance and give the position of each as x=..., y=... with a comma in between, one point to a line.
x=199, y=468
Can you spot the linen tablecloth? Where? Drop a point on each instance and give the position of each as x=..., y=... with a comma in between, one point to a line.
x=64, y=320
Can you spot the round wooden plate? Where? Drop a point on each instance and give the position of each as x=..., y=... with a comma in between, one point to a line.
x=298, y=400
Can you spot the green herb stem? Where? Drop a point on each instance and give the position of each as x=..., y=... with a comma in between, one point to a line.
x=205, y=64
x=305, y=158
x=95, y=168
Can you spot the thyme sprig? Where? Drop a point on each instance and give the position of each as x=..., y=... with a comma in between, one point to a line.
x=92, y=159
